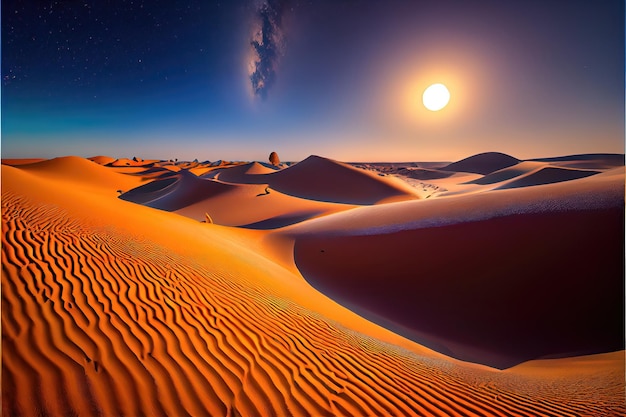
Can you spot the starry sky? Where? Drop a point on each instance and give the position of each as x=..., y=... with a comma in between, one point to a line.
x=338, y=78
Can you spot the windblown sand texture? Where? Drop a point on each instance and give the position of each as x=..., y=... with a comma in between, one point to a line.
x=119, y=299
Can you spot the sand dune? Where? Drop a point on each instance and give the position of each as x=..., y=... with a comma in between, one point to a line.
x=112, y=308
x=176, y=192
x=322, y=179
x=505, y=174
x=587, y=161
x=531, y=173
x=102, y=160
x=135, y=162
x=82, y=172
x=548, y=175
x=252, y=173
x=484, y=163
x=496, y=278
x=247, y=205
x=251, y=206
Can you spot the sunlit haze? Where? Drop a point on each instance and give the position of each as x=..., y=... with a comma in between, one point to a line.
x=237, y=80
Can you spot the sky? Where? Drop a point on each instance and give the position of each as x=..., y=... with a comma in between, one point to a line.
x=343, y=79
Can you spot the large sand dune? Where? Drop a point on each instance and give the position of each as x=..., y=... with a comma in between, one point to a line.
x=496, y=278
x=112, y=308
x=484, y=163
x=322, y=179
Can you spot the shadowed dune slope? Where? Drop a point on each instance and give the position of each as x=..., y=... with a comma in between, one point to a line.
x=587, y=161
x=548, y=175
x=248, y=205
x=496, y=278
x=111, y=308
x=323, y=179
x=423, y=173
x=484, y=163
x=176, y=192
x=528, y=173
x=505, y=174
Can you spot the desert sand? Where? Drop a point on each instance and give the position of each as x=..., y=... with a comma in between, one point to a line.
x=487, y=286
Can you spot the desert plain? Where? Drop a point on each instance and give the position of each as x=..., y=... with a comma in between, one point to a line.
x=489, y=286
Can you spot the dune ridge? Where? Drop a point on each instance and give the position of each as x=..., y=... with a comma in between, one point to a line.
x=112, y=308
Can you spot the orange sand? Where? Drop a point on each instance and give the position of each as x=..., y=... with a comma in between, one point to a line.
x=112, y=308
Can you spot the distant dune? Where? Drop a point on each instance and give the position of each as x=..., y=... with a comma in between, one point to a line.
x=102, y=160
x=484, y=163
x=528, y=173
x=118, y=298
x=135, y=162
x=175, y=192
x=591, y=161
x=21, y=161
x=323, y=179
x=82, y=171
x=252, y=173
x=424, y=174
x=549, y=175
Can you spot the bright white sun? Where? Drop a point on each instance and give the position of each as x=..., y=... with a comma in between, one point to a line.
x=436, y=97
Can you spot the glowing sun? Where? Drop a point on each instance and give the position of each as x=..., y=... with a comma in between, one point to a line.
x=436, y=97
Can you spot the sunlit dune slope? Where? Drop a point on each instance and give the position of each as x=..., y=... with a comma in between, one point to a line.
x=111, y=308
x=495, y=278
x=82, y=172
x=256, y=207
x=102, y=159
x=135, y=162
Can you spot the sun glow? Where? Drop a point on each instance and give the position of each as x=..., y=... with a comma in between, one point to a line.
x=436, y=97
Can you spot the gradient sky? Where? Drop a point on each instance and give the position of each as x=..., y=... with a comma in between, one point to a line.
x=337, y=78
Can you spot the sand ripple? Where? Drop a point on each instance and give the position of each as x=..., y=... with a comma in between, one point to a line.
x=101, y=322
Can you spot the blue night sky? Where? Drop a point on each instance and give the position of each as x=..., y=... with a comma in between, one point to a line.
x=342, y=79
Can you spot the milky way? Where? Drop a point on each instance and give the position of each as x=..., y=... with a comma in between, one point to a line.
x=268, y=45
